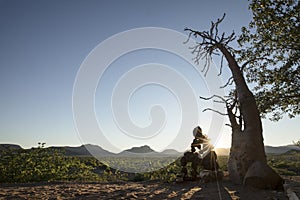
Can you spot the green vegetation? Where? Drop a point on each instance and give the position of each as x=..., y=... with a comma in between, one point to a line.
x=42, y=164
x=287, y=163
x=138, y=164
x=270, y=49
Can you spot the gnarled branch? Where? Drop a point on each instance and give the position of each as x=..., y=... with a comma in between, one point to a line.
x=229, y=82
x=216, y=111
x=209, y=45
x=214, y=96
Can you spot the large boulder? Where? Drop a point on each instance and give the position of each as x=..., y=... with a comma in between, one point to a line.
x=260, y=175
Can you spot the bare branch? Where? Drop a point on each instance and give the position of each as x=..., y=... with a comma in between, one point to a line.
x=207, y=64
x=214, y=96
x=216, y=111
x=209, y=44
x=228, y=125
x=215, y=101
x=229, y=82
x=188, y=39
x=221, y=67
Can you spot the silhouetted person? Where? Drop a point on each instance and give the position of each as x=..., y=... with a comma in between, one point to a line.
x=209, y=161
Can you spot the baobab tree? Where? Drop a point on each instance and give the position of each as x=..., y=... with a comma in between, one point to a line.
x=247, y=161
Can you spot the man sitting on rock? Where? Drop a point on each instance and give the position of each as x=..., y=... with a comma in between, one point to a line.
x=205, y=157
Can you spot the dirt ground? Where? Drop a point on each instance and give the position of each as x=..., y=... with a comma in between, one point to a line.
x=143, y=190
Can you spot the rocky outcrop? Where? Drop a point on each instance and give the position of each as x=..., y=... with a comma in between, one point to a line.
x=260, y=175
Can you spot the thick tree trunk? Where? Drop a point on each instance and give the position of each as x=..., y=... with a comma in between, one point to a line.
x=247, y=161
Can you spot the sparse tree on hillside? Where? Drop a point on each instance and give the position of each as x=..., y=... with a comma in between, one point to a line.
x=297, y=143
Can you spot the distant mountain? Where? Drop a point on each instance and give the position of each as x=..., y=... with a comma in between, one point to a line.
x=137, y=152
x=146, y=151
x=84, y=150
x=280, y=149
x=98, y=151
x=292, y=152
x=268, y=150
x=142, y=149
x=171, y=152
x=72, y=151
x=9, y=147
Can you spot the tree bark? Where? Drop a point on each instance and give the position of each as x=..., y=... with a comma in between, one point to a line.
x=247, y=145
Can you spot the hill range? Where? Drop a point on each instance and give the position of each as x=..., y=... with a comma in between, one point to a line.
x=144, y=151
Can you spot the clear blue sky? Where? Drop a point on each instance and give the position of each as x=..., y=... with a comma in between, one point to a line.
x=43, y=43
